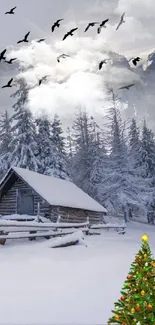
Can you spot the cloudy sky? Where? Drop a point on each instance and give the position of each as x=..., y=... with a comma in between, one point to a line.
x=135, y=37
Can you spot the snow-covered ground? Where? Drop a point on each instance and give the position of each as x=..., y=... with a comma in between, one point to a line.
x=72, y=285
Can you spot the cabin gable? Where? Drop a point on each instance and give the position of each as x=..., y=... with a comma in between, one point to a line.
x=19, y=197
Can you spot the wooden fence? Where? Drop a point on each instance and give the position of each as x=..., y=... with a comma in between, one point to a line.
x=30, y=229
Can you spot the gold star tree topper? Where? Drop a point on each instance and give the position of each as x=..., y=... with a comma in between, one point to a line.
x=145, y=238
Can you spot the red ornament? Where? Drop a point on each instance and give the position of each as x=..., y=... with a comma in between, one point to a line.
x=137, y=307
x=129, y=277
x=122, y=298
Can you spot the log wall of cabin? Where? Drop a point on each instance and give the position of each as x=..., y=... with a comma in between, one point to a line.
x=79, y=215
x=8, y=203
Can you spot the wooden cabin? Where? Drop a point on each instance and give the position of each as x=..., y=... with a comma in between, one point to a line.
x=25, y=192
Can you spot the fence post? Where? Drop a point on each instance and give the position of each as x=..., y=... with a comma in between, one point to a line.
x=38, y=212
x=58, y=219
x=87, y=232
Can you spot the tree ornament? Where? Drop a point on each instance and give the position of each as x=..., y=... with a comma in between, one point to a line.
x=122, y=298
x=153, y=263
x=137, y=307
x=117, y=317
x=129, y=277
x=132, y=310
x=142, y=292
x=149, y=307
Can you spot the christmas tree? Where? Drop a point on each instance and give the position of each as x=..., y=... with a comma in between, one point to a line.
x=137, y=303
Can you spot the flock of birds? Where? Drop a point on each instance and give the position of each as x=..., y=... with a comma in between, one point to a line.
x=63, y=56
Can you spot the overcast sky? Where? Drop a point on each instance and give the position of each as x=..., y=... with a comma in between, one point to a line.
x=137, y=35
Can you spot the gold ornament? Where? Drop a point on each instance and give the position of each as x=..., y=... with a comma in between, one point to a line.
x=132, y=310
x=145, y=238
x=117, y=317
x=153, y=263
x=149, y=307
x=145, y=255
x=142, y=292
x=135, y=320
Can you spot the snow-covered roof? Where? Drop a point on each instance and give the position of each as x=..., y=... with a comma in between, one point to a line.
x=58, y=192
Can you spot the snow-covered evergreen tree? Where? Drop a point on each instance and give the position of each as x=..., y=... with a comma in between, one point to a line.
x=57, y=134
x=99, y=159
x=69, y=144
x=46, y=154
x=134, y=143
x=24, y=140
x=86, y=158
x=5, y=141
x=59, y=154
x=147, y=153
x=122, y=187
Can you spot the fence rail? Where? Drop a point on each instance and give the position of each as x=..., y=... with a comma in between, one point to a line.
x=10, y=229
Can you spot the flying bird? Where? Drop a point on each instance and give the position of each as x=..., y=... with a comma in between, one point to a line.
x=102, y=62
x=42, y=79
x=11, y=11
x=91, y=25
x=10, y=61
x=63, y=56
x=56, y=24
x=2, y=57
x=127, y=87
x=102, y=25
x=8, y=85
x=121, y=21
x=70, y=33
x=136, y=60
x=25, y=39
x=41, y=40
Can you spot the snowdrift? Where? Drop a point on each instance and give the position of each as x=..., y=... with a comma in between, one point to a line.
x=68, y=240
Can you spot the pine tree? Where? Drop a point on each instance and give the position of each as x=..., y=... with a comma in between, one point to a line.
x=134, y=143
x=47, y=152
x=61, y=164
x=5, y=141
x=99, y=160
x=122, y=188
x=51, y=148
x=24, y=141
x=136, y=305
x=57, y=137
x=84, y=144
x=147, y=153
x=69, y=144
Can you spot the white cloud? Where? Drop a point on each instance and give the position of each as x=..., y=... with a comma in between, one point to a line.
x=76, y=80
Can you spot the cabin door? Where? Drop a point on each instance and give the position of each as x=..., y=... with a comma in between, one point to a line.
x=25, y=202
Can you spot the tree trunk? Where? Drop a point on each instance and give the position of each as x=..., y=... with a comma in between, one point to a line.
x=125, y=209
